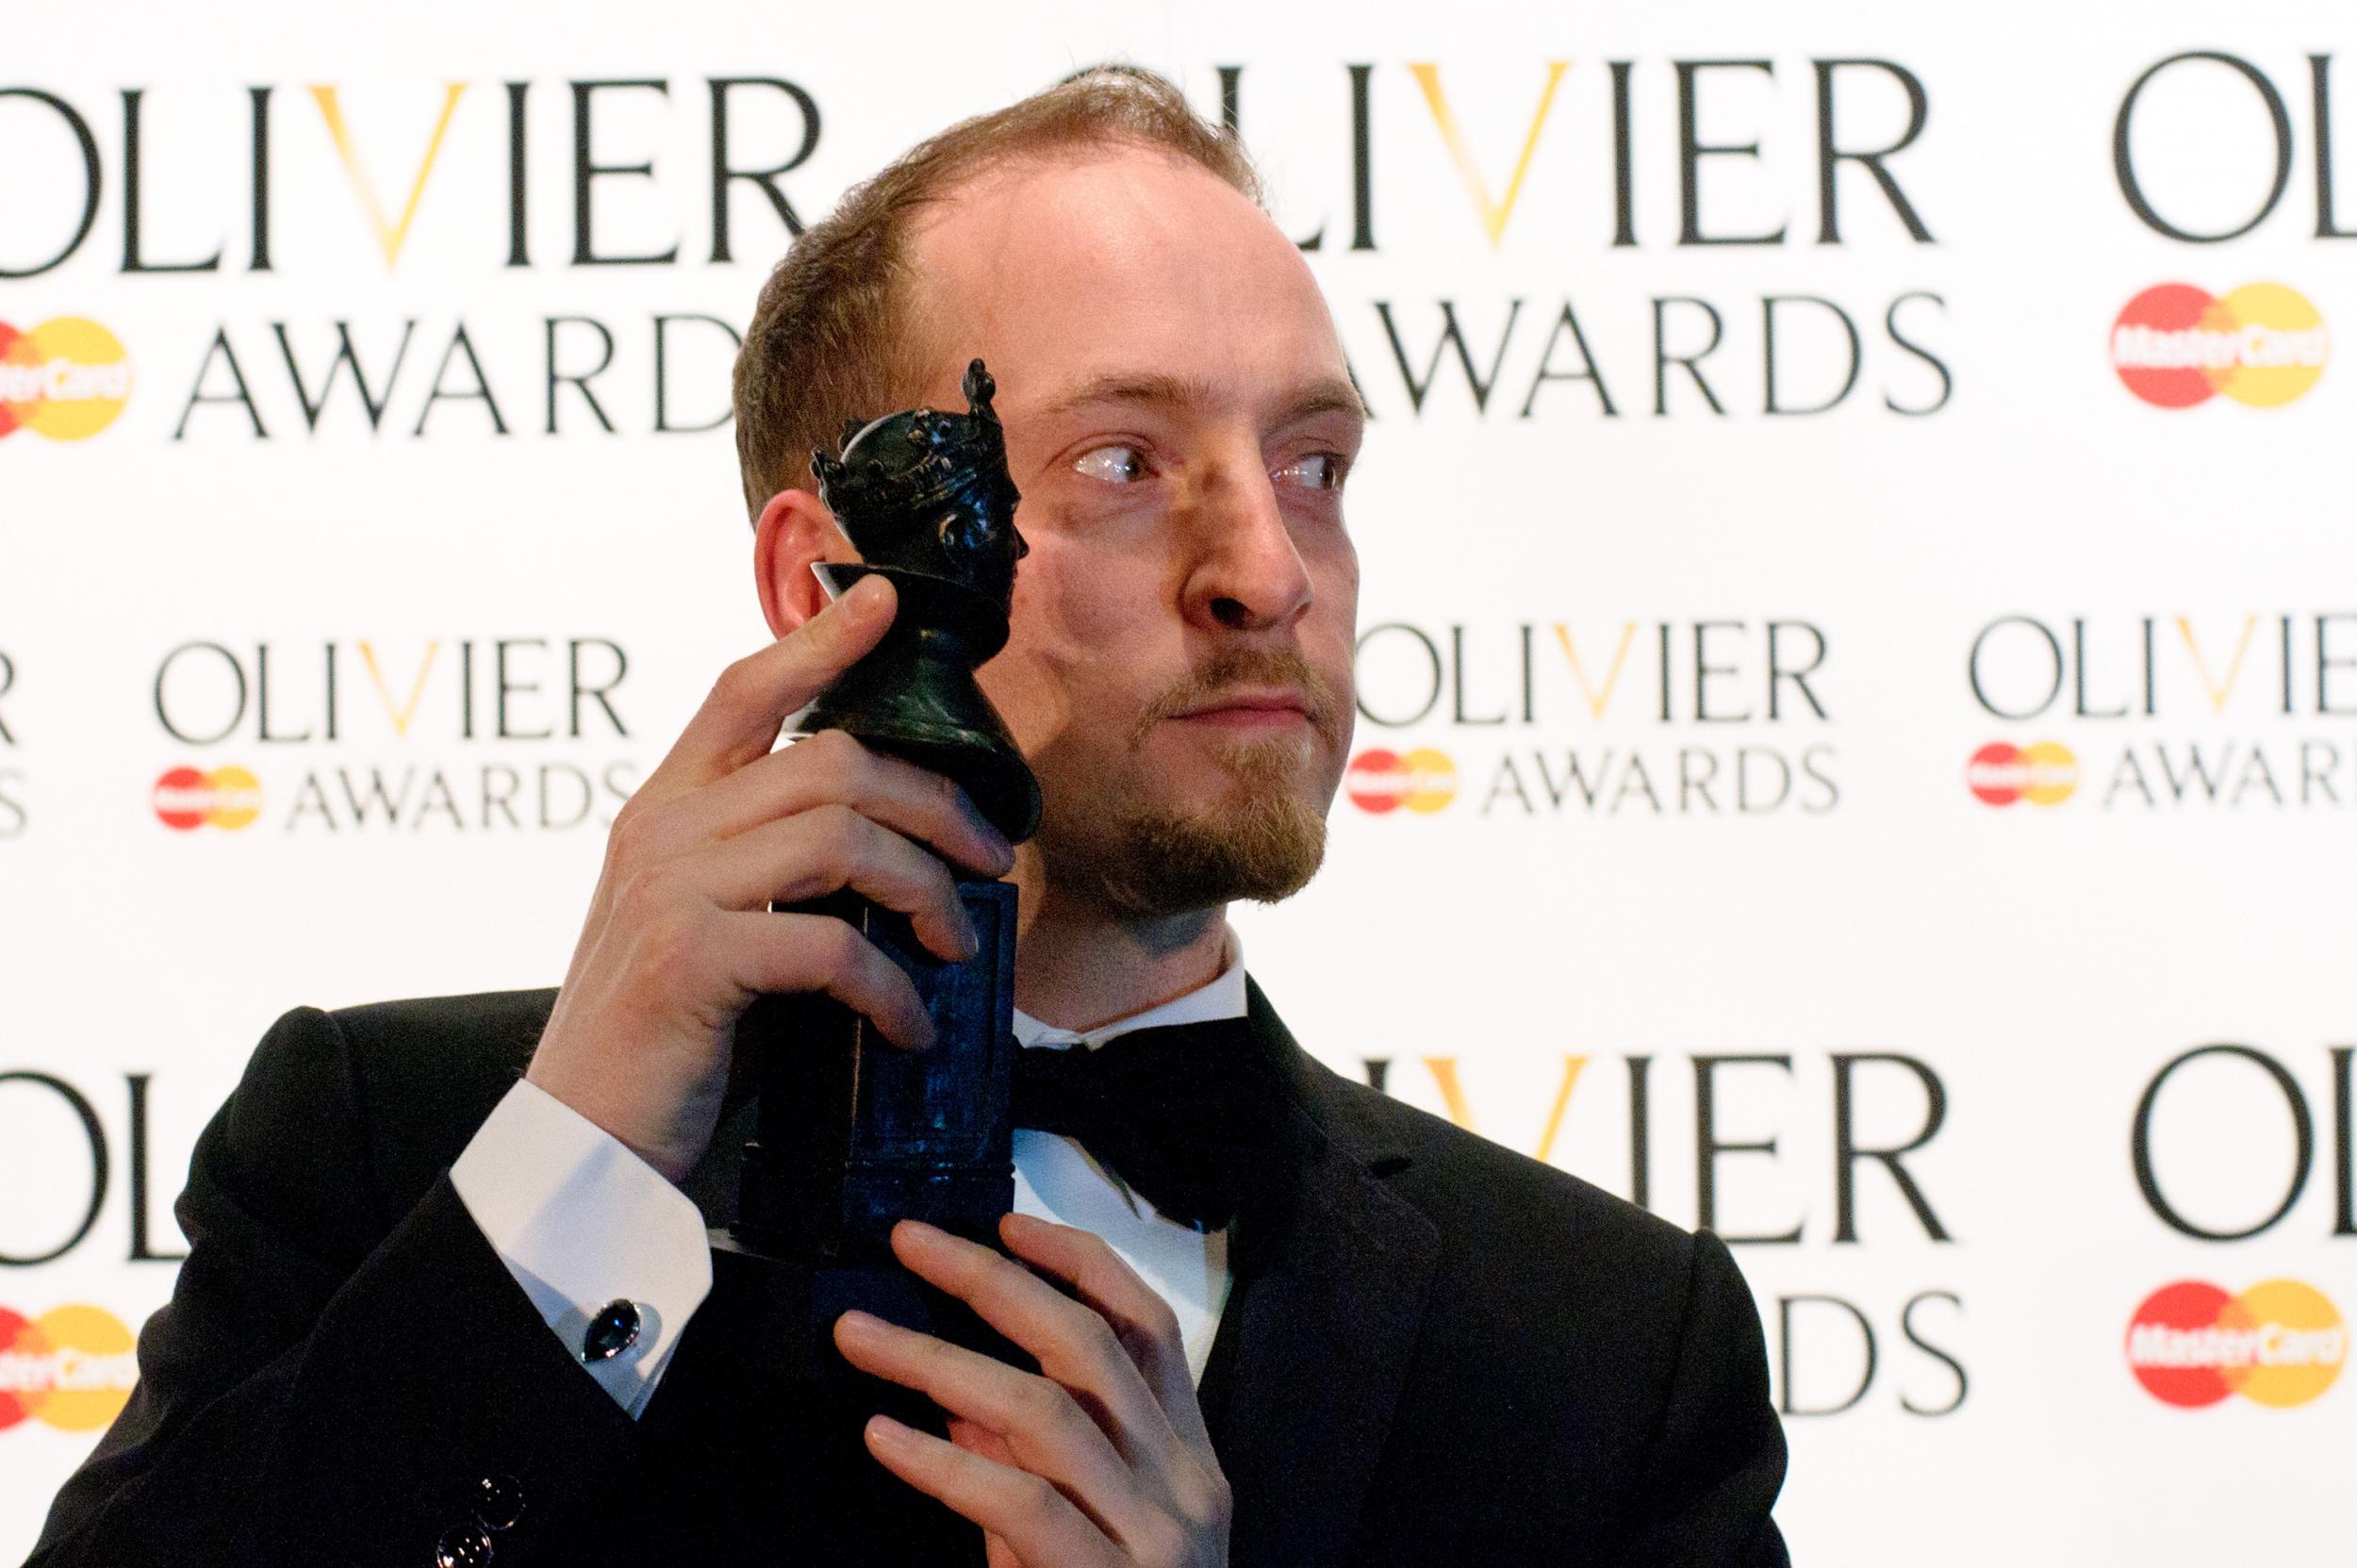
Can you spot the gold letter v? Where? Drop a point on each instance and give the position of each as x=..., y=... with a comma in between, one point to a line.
x=389, y=237
x=1493, y=214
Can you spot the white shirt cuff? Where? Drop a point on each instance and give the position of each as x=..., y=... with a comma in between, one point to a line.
x=581, y=1222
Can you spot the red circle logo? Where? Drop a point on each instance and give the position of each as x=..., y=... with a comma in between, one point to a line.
x=1997, y=774
x=1375, y=782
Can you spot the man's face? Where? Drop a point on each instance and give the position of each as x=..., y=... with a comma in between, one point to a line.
x=1180, y=420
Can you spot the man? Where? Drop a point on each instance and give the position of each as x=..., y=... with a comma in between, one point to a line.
x=432, y=1314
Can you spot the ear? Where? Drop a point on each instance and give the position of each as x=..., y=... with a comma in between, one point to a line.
x=796, y=530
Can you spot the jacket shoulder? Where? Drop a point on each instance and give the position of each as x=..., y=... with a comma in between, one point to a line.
x=429, y=1069
x=376, y=1100
x=1478, y=1193
x=448, y=1038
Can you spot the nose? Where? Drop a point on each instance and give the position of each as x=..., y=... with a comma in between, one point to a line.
x=1246, y=575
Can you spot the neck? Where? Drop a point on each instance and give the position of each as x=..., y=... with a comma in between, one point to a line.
x=1079, y=965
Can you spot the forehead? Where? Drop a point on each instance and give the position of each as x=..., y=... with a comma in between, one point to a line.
x=1115, y=262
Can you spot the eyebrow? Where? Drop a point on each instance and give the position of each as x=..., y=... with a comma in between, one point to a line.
x=1325, y=395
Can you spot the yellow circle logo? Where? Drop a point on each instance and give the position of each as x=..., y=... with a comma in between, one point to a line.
x=72, y=1368
x=66, y=379
x=1431, y=780
x=2280, y=338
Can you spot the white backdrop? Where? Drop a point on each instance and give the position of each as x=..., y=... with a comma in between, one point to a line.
x=1689, y=692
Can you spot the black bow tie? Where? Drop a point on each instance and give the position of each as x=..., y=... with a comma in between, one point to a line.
x=1182, y=1114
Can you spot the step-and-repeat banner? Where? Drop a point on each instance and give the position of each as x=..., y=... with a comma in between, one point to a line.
x=1857, y=735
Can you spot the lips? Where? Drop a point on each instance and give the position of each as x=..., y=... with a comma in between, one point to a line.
x=1250, y=708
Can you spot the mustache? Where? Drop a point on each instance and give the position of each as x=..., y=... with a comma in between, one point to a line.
x=1248, y=665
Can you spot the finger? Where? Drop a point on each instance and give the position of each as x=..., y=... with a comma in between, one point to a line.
x=1045, y=1432
x=1075, y=1348
x=1139, y=1318
x=821, y=851
x=975, y=1438
x=767, y=953
x=1039, y=1523
x=740, y=718
x=832, y=768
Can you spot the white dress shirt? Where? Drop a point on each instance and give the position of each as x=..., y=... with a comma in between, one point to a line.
x=581, y=1221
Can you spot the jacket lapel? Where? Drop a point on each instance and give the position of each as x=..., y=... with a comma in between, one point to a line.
x=1330, y=1286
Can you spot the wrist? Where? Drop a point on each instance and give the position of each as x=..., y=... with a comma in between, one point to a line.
x=665, y=1157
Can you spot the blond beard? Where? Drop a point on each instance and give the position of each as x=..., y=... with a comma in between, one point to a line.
x=1261, y=842
x=1261, y=839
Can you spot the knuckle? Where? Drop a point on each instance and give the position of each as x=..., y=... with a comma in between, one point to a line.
x=1044, y=1406
x=939, y=879
x=1204, y=1498
x=1035, y=1500
x=739, y=683
x=628, y=841
x=841, y=949
x=1096, y=1254
x=1097, y=1337
x=1157, y=1541
x=833, y=749
x=1161, y=1324
x=931, y=1359
x=841, y=830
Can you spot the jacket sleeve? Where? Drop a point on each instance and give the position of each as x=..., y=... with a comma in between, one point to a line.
x=319, y=1391
x=1714, y=1469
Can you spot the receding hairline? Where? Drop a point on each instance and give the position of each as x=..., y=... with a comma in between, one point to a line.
x=913, y=316
x=844, y=325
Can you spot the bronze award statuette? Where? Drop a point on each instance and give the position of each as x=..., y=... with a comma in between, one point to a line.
x=852, y=1133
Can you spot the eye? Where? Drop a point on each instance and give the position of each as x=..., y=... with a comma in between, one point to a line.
x=1319, y=470
x=1114, y=465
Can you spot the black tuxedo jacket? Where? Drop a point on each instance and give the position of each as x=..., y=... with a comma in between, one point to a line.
x=1438, y=1352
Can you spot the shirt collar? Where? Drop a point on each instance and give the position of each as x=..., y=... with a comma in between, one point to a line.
x=1221, y=996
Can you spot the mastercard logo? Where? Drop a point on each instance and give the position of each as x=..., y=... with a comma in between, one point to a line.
x=73, y=1368
x=2263, y=345
x=1422, y=781
x=66, y=379
x=2278, y=1343
x=186, y=799
x=2044, y=774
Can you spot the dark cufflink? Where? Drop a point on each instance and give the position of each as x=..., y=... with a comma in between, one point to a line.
x=614, y=1330
x=467, y=1546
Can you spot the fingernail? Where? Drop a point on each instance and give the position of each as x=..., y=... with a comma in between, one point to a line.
x=973, y=942
x=884, y=1432
x=919, y=1234
x=867, y=596
x=858, y=1326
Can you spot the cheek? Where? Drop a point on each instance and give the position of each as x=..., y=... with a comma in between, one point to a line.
x=1072, y=639
x=1334, y=616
